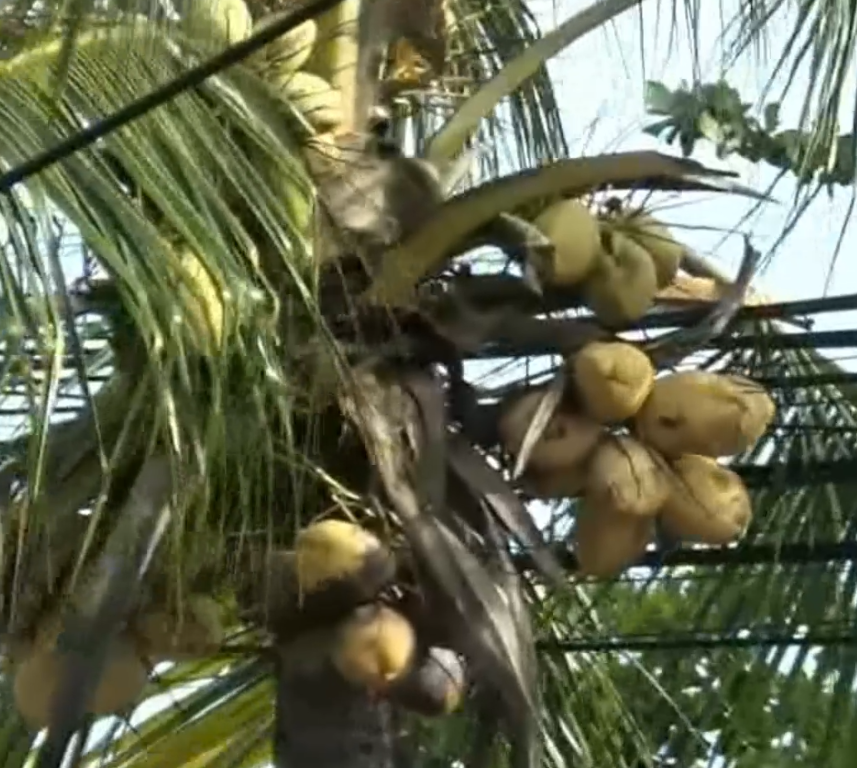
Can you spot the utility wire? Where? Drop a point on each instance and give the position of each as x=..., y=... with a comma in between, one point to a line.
x=693, y=641
x=299, y=12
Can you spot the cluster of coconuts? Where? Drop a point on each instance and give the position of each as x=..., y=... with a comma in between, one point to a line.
x=335, y=587
x=619, y=258
x=637, y=449
x=154, y=634
x=294, y=64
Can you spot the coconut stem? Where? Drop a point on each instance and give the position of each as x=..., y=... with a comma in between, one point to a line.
x=324, y=722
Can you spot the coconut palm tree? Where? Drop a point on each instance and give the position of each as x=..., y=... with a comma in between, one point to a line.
x=272, y=324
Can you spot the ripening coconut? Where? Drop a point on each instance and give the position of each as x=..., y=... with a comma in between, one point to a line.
x=574, y=232
x=218, y=23
x=37, y=679
x=707, y=502
x=664, y=250
x=434, y=685
x=704, y=413
x=565, y=443
x=290, y=51
x=622, y=287
x=625, y=477
x=315, y=98
x=563, y=484
x=613, y=380
x=196, y=632
x=606, y=543
x=332, y=551
x=375, y=647
x=202, y=300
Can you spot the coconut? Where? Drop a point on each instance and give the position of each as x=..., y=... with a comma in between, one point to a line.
x=199, y=631
x=664, y=250
x=606, y=543
x=315, y=98
x=559, y=484
x=37, y=680
x=707, y=502
x=625, y=477
x=622, y=287
x=225, y=21
x=704, y=413
x=574, y=232
x=332, y=551
x=565, y=443
x=290, y=51
x=334, y=56
x=434, y=685
x=375, y=647
x=337, y=565
x=203, y=301
x=613, y=380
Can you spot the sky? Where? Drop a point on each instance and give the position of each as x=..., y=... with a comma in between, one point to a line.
x=600, y=86
x=600, y=82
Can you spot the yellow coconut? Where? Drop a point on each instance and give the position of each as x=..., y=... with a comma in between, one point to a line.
x=375, y=647
x=606, y=543
x=197, y=632
x=565, y=443
x=613, y=380
x=221, y=22
x=290, y=51
x=37, y=680
x=202, y=299
x=333, y=551
x=664, y=250
x=574, y=232
x=434, y=685
x=622, y=287
x=704, y=413
x=336, y=51
x=315, y=98
x=707, y=502
x=625, y=477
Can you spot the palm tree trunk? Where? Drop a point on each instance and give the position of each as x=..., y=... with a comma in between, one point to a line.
x=324, y=722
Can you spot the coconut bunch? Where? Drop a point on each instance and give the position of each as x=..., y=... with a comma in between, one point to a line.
x=619, y=258
x=337, y=592
x=297, y=64
x=36, y=667
x=194, y=629
x=300, y=66
x=639, y=450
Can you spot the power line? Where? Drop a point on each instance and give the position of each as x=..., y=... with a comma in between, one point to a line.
x=796, y=553
x=696, y=641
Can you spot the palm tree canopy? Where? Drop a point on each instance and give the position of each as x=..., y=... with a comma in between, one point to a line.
x=213, y=435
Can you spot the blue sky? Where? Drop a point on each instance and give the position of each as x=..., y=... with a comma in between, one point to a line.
x=600, y=81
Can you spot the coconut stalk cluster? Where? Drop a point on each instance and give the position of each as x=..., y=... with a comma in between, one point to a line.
x=336, y=599
x=340, y=599
x=638, y=450
x=618, y=256
x=156, y=632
